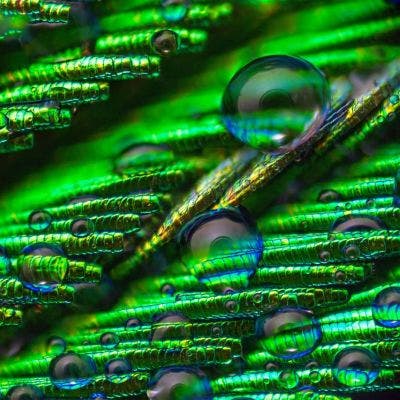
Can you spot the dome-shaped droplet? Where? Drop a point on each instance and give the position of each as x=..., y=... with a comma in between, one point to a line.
x=168, y=289
x=72, y=371
x=356, y=366
x=39, y=220
x=174, y=10
x=36, y=279
x=328, y=196
x=358, y=223
x=56, y=345
x=165, y=328
x=82, y=227
x=228, y=233
x=288, y=379
x=386, y=307
x=118, y=370
x=24, y=392
x=109, y=340
x=178, y=384
x=164, y=42
x=276, y=101
x=289, y=333
x=132, y=323
x=98, y=396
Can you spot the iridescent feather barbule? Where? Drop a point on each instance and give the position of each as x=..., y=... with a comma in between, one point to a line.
x=211, y=210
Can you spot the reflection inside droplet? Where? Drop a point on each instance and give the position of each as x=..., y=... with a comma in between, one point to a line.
x=174, y=10
x=386, y=307
x=275, y=101
x=39, y=220
x=118, y=370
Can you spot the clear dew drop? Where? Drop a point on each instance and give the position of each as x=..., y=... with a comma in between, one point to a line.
x=288, y=379
x=356, y=366
x=72, y=371
x=82, y=227
x=178, y=384
x=276, y=102
x=24, y=392
x=118, y=370
x=34, y=278
x=386, y=307
x=289, y=333
x=174, y=10
x=132, y=323
x=56, y=345
x=39, y=220
x=164, y=42
x=109, y=340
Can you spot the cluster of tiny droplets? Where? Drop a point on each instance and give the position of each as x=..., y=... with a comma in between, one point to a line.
x=233, y=239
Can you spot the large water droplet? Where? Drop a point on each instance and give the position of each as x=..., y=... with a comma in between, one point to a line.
x=39, y=220
x=118, y=370
x=72, y=371
x=25, y=392
x=289, y=333
x=386, y=307
x=276, y=101
x=227, y=233
x=358, y=223
x=178, y=384
x=174, y=10
x=356, y=366
x=33, y=277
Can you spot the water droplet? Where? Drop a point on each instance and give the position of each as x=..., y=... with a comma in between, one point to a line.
x=118, y=370
x=109, y=340
x=72, y=371
x=340, y=276
x=271, y=366
x=315, y=376
x=216, y=331
x=276, y=101
x=324, y=256
x=164, y=42
x=37, y=279
x=351, y=251
x=82, y=227
x=132, y=323
x=227, y=233
x=386, y=307
x=356, y=366
x=39, y=220
x=165, y=329
x=328, y=196
x=174, y=10
x=288, y=379
x=178, y=384
x=232, y=306
x=351, y=224
x=289, y=333
x=56, y=345
x=25, y=392
x=168, y=289
x=98, y=396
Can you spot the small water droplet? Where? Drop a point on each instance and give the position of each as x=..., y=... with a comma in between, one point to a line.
x=288, y=379
x=356, y=366
x=328, y=196
x=72, y=371
x=386, y=307
x=352, y=251
x=25, y=392
x=168, y=289
x=174, y=10
x=289, y=333
x=56, y=345
x=165, y=42
x=39, y=220
x=118, y=370
x=82, y=227
x=132, y=323
x=232, y=306
x=109, y=340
